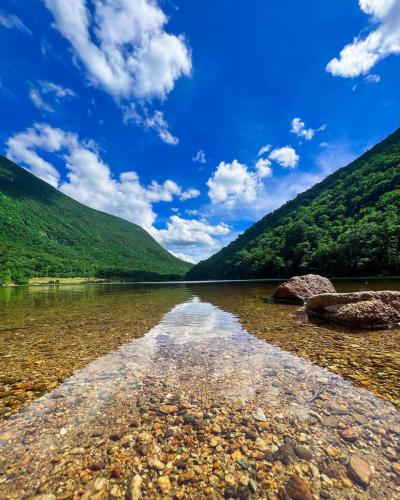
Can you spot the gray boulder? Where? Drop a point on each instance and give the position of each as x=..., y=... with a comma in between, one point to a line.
x=359, y=309
x=299, y=288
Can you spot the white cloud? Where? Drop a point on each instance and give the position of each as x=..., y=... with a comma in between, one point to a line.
x=330, y=158
x=155, y=122
x=298, y=127
x=159, y=124
x=51, y=90
x=190, y=232
x=10, y=21
x=38, y=101
x=373, y=78
x=189, y=194
x=263, y=168
x=264, y=149
x=90, y=180
x=360, y=56
x=123, y=45
x=191, y=212
x=168, y=190
x=279, y=189
x=190, y=239
x=200, y=157
x=232, y=182
x=20, y=148
x=285, y=157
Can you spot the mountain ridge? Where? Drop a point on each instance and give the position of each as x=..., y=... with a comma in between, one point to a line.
x=323, y=217
x=43, y=232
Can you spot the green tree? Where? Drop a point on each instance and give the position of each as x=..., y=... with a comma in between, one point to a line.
x=5, y=277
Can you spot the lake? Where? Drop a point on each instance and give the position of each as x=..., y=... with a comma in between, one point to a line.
x=193, y=390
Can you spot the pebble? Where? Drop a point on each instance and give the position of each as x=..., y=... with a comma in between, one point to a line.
x=95, y=489
x=244, y=464
x=259, y=415
x=230, y=480
x=396, y=468
x=330, y=421
x=157, y=464
x=314, y=471
x=261, y=444
x=168, y=409
x=134, y=487
x=303, y=452
x=331, y=452
x=236, y=456
x=164, y=484
x=325, y=479
x=350, y=435
x=298, y=489
x=117, y=472
x=359, y=471
x=244, y=479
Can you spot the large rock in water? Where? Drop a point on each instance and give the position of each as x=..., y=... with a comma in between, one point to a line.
x=359, y=309
x=299, y=288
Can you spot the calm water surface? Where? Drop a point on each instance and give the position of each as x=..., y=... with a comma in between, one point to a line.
x=192, y=391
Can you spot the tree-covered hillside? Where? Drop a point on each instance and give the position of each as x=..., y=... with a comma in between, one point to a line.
x=347, y=225
x=45, y=233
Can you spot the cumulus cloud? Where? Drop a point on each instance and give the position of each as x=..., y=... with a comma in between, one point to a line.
x=42, y=90
x=90, y=180
x=200, y=157
x=279, y=189
x=123, y=45
x=21, y=148
x=231, y=183
x=360, y=56
x=190, y=239
x=10, y=21
x=263, y=168
x=285, y=157
x=298, y=127
x=191, y=232
x=168, y=190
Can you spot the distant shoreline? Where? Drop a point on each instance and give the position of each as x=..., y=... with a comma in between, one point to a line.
x=79, y=281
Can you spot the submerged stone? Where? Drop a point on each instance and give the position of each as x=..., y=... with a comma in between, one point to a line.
x=360, y=471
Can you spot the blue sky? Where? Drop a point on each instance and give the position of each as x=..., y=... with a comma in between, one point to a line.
x=195, y=119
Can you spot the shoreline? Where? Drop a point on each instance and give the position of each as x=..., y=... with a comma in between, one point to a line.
x=101, y=281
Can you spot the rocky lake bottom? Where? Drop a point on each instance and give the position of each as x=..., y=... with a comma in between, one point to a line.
x=192, y=391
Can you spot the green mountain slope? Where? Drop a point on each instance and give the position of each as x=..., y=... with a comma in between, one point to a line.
x=347, y=225
x=45, y=233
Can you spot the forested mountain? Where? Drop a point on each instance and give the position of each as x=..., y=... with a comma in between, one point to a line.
x=45, y=233
x=347, y=225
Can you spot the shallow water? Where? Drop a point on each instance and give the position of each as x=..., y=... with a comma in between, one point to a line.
x=167, y=384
